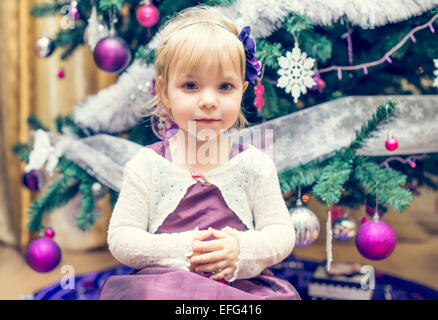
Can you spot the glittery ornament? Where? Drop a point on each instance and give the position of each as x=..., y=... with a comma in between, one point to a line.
x=296, y=72
x=391, y=143
x=148, y=15
x=306, y=225
x=44, y=46
x=344, y=228
x=376, y=240
x=43, y=254
x=98, y=190
x=112, y=54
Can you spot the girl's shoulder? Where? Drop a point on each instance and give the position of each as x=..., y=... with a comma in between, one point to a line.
x=144, y=155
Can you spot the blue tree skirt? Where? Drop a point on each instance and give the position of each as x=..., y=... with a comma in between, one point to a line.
x=297, y=272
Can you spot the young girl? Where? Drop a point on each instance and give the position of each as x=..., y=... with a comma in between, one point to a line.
x=191, y=228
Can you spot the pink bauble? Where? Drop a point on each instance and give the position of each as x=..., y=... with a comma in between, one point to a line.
x=376, y=240
x=74, y=14
x=43, y=254
x=49, y=233
x=148, y=15
x=112, y=54
x=391, y=144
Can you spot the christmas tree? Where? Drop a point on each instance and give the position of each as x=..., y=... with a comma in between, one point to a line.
x=313, y=60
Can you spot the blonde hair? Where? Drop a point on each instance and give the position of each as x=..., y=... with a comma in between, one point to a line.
x=188, y=38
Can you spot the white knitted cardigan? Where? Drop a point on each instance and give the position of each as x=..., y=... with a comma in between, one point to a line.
x=152, y=188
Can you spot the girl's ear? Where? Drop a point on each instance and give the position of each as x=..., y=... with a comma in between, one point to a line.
x=245, y=85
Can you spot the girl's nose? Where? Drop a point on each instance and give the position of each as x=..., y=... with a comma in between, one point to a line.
x=208, y=99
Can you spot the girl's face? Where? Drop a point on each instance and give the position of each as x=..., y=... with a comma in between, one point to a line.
x=205, y=93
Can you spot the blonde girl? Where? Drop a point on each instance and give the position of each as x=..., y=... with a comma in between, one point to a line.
x=198, y=216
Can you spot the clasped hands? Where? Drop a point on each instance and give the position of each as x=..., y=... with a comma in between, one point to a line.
x=218, y=255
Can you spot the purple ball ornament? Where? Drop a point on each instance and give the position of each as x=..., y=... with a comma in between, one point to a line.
x=148, y=15
x=376, y=239
x=112, y=54
x=34, y=180
x=43, y=254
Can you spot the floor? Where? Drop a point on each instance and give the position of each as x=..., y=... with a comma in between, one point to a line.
x=414, y=258
x=409, y=261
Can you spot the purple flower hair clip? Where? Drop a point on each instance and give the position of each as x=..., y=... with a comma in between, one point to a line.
x=253, y=66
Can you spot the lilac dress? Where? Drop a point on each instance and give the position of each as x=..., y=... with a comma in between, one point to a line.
x=202, y=206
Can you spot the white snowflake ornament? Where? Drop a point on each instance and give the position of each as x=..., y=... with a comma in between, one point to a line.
x=296, y=72
x=435, y=72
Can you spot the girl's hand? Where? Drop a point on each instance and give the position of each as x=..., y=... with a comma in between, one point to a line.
x=201, y=235
x=221, y=257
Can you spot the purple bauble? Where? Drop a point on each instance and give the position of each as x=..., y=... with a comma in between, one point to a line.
x=148, y=15
x=43, y=254
x=376, y=240
x=112, y=54
x=34, y=180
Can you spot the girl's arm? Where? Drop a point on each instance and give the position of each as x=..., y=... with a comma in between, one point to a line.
x=128, y=240
x=274, y=236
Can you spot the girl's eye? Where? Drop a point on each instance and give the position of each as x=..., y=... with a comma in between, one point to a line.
x=189, y=85
x=226, y=86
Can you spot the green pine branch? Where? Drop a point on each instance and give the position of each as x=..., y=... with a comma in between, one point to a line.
x=302, y=176
x=333, y=177
x=35, y=123
x=295, y=24
x=386, y=183
x=146, y=54
x=58, y=193
x=67, y=121
x=46, y=9
x=62, y=190
x=22, y=150
x=383, y=115
x=108, y=4
x=329, y=177
x=269, y=53
x=86, y=218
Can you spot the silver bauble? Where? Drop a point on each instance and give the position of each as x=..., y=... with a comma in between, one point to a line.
x=44, y=46
x=98, y=190
x=306, y=225
x=344, y=228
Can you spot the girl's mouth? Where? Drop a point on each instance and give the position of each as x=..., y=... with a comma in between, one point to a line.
x=207, y=121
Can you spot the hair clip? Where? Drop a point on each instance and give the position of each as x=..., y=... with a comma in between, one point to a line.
x=253, y=66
